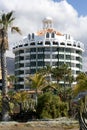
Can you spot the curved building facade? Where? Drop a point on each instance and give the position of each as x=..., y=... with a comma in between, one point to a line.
x=46, y=47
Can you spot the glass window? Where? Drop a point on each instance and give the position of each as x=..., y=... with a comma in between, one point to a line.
x=47, y=49
x=61, y=49
x=29, y=36
x=33, y=56
x=27, y=50
x=61, y=56
x=68, y=50
x=27, y=65
x=47, y=42
x=68, y=44
x=27, y=57
x=54, y=49
x=55, y=43
x=47, y=35
x=54, y=56
x=32, y=35
x=32, y=71
x=40, y=43
x=52, y=35
x=68, y=57
x=40, y=56
x=40, y=49
x=47, y=56
x=32, y=43
x=32, y=49
x=62, y=43
x=32, y=64
x=40, y=63
x=27, y=71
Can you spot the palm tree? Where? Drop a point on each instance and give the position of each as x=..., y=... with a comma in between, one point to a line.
x=80, y=91
x=36, y=82
x=6, y=21
x=81, y=85
x=12, y=79
x=46, y=71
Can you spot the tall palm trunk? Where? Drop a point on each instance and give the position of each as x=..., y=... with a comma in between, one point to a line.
x=5, y=103
x=4, y=72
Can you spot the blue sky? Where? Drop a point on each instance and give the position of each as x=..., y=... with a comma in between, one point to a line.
x=79, y=5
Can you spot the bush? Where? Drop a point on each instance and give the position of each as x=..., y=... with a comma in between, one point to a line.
x=50, y=106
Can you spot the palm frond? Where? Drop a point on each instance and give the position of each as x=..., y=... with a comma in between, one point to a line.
x=13, y=29
x=9, y=15
x=11, y=20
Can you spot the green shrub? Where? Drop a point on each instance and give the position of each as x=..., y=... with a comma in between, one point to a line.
x=50, y=106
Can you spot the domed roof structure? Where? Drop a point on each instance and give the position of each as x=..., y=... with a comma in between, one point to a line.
x=47, y=22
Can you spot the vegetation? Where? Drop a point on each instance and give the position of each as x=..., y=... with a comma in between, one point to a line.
x=81, y=85
x=50, y=106
x=6, y=21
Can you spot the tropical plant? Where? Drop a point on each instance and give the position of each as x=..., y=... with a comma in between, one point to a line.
x=50, y=106
x=21, y=98
x=12, y=79
x=47, y=72
x=81, y=85
x=36, y=82
x=6, y=21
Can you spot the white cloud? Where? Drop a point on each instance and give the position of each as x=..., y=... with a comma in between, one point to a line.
x=29, y=15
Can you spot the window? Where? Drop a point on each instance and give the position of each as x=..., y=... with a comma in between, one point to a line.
x=68, y=50
x=40, y=63
x=32, y=35
x=32, y=64
x=40, y=56
x=54, y=49
x=61, y=56
x=27, y=50
x=55, y=43
x=27, y=65
x=47, y=43
x=32, y=71
x=32, y=43
x=33, y=56
x=21, y=51
x=61, y=49
x=27, y=57
x=54, y=56
x=21, y=58
x=62, y=43
x=47, y=49
x=29, y=36
x=68, y=57
x=32, y=49
x=52, y=35
x=68, y=44
x=27, y=71
x=47, y=35
x=47, y=56
x=20, y=45
x=40, y=43
x=40, y=49
x=26, y=44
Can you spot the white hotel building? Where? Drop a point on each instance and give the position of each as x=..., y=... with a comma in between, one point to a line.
x=46, y=47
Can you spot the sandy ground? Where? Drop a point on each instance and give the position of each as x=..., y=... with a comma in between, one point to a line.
x=37, y=126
